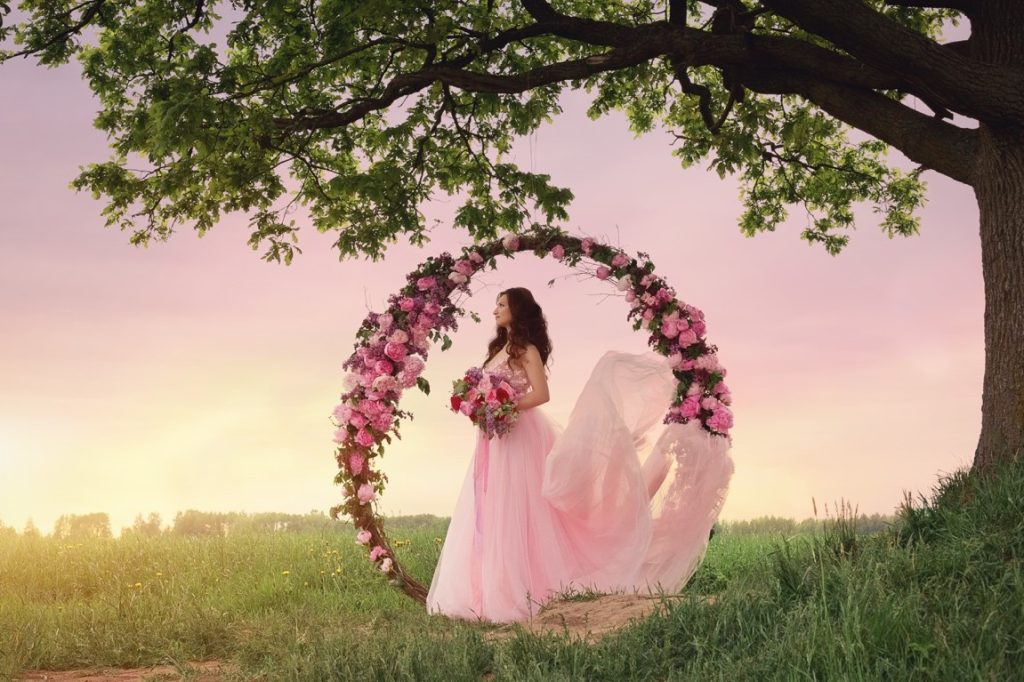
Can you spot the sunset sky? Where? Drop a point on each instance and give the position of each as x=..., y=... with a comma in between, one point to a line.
x=194, y=375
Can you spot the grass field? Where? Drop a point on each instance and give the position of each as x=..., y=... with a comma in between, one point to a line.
x=938, y=596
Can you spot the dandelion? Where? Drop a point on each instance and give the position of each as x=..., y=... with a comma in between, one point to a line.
x=286, y=573
x=138, y=585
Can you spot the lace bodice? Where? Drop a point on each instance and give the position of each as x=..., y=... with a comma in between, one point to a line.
x=516, y=376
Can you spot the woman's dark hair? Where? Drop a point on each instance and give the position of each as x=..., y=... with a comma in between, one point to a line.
x=528, y=326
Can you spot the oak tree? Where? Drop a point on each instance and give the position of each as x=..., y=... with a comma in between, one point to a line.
x=373, y=106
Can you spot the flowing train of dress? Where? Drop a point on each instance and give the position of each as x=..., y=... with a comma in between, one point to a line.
x=593, y=506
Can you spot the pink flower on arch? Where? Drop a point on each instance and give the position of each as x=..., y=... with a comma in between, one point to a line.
x=690, y=408
x=476, y=257
x=558, y=252
x=385, y=566
x=687, y=338
x=458, y=278
x=603, y=272
x=587, y=245
x=619, y=260
x=399, y=336
x=377, y=552
x=366, y=493
x=426, y=283
x=395, y=351
x=383, y=367
x=510, y=242
x=356, y=462
x=464, y=267
x=406, y=304
x=364, y=438
x=357, y=420
x=363, y=537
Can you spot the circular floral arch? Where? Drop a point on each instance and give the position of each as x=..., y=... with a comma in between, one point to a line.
x=392, y=348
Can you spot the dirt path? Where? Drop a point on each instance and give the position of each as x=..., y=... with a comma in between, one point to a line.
x=199, y=671
x=590, y=619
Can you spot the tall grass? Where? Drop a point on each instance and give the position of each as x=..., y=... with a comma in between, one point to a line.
x=939, y=595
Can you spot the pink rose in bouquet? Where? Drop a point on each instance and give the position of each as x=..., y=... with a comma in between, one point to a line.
x=487, y=399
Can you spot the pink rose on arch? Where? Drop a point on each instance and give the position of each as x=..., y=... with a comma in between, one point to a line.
x=699, y=328
x=623, y=283
x=687, y=364
x=687, y=338
x=720, y=420
x=355, y=463
x=370, y=408
x=364, y=438
x=406, y=304
x=377, y=552
x=664, y=295
x=558, y=252
x=363, y=537
x=366, y=493
x=675, y=359
x=464, y=267
x=340, y=435
x=383, y=384
x=646, y=280
x=426, y=283
x=694, y=389
x=395, y=351
x=619, y=260
x=413, y=365
x=710, y=403
x=399, y=336
x=648, y=315
x=603, y=272
x=510, y=242
x=476, y=257
x=342, y=412
x=458, y=278
x=587, y=245
x=385, y=566
x=690, y=408
x=357, y=420
x=383, y=367
x=432, y=308
x=406, y=379
x=385, y=321
x=630, y=296
x=382, y=422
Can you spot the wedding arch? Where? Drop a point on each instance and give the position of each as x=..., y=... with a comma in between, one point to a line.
x=392, y=348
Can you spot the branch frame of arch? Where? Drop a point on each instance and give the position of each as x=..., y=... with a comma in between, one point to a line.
x=392, y=347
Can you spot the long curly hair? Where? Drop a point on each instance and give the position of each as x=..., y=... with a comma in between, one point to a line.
x=528, y=326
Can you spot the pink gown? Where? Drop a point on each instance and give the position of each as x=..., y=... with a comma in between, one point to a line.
x=615, y=502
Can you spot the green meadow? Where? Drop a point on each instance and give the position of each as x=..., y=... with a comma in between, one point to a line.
x=936, y=595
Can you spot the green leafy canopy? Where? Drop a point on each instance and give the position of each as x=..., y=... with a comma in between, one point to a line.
x=361, y=111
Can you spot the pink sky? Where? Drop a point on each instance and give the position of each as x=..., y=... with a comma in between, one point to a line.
x=193, y=375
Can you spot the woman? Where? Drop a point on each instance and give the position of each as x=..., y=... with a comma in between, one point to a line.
x=543, y=511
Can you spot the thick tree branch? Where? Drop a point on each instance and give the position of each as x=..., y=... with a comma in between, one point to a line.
x=990, y=92
x=934, y=144
x=473, y=81
x=960, y=5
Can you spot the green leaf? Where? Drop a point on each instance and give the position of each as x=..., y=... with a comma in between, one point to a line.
x=423, y=385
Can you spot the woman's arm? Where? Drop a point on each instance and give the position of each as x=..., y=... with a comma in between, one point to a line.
x=534, y=367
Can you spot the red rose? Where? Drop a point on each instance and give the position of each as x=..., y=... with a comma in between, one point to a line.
x=501, y=394
x=456, y=402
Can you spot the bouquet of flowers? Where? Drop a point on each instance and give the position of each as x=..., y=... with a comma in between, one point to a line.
x=487, y=399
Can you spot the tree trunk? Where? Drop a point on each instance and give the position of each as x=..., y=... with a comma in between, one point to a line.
x=999, y=187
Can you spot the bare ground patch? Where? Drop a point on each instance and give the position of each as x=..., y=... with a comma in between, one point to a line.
x=199, y=671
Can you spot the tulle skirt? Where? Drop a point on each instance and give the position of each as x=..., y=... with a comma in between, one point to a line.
x=614, y=502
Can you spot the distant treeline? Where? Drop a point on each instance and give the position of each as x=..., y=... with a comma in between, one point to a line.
x=193, y=523
x=774, y=524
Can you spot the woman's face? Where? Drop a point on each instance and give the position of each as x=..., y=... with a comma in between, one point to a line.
x=502, y=314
